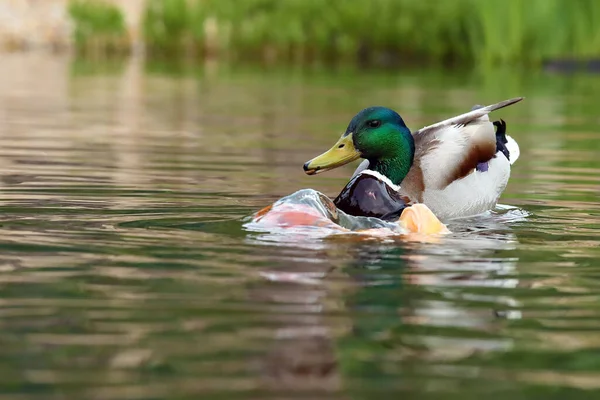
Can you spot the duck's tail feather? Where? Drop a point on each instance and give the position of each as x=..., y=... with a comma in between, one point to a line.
x=504, y=143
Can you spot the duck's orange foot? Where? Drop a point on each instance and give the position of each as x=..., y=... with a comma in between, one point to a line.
x=418, y=218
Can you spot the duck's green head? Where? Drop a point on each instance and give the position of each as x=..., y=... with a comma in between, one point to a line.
x=377, y=134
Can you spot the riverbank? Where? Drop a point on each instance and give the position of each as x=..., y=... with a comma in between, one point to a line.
x=50, y=25
x=383, y=32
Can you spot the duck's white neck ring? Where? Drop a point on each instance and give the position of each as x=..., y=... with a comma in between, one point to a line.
x=381, y=177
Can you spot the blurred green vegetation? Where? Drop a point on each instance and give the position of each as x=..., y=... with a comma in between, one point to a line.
x=99, y=27
x=526, y=32
x=484, y=32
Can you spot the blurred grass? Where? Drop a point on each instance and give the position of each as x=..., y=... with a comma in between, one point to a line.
x=508, y=32
x=99, y=27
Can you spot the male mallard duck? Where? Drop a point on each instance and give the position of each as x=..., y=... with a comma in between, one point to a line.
x=457, y=167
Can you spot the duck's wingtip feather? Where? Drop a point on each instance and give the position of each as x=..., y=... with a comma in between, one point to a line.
x=476, y=112
x=504, y=103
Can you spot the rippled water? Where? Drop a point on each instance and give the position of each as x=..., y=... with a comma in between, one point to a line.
x=125, y=272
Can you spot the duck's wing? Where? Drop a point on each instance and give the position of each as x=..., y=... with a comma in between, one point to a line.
x=466, y=118
x=452, y=149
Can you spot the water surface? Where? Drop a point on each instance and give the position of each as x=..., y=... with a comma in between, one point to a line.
x=126, y=273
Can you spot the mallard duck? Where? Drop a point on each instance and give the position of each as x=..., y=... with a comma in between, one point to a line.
x=458, y=167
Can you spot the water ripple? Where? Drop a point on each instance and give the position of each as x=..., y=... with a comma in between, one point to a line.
x=125, y=270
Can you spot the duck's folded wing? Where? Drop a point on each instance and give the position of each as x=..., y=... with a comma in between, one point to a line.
x=451, y=149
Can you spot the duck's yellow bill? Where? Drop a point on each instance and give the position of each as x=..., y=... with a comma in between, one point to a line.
x=340, y=154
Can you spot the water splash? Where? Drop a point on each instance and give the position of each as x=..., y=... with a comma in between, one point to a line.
x=312, y=213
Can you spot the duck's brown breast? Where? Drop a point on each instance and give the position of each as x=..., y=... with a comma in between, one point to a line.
x=367, y=196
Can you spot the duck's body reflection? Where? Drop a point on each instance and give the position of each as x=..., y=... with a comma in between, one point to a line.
x=362, y=307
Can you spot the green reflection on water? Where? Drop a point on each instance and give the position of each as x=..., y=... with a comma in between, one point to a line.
x=125, y=271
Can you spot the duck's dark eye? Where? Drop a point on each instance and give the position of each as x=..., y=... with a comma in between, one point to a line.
x=374, y=123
